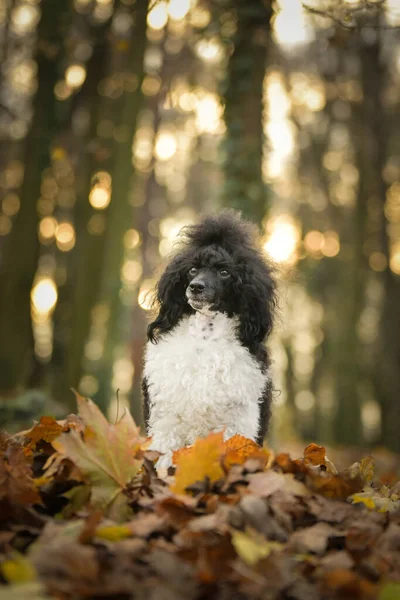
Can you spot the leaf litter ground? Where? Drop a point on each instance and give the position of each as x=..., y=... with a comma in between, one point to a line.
x=84, y=514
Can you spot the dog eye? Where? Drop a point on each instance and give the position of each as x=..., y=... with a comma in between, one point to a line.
x=224, y=273
x=193, y=271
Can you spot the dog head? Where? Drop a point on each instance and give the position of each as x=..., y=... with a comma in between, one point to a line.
x=218, y=267
x=211, y=280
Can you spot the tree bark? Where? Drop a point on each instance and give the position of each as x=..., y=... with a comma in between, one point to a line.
x=244, y=187
x=120, y=211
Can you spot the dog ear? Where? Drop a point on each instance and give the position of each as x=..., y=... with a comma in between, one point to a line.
x=258, y=303
x=170, y=298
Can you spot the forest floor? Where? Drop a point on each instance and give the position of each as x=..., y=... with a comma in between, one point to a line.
x=84, y=514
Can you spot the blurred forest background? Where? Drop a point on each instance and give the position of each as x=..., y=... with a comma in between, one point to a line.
x=123, y=120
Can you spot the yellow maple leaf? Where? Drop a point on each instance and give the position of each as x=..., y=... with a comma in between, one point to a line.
x=109, y=456
x=113, y=533
x=366, y=500
x=201, y=460
x=252, y=546
x=18, y=569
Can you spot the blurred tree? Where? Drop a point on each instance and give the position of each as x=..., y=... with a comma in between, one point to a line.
x=120, y=210
x=76, y=304
x=242, y=95
x=19, y=261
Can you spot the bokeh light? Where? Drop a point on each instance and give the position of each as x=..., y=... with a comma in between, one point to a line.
x=131, y=239
x=11, y=204
x=395, y=259
x=178, y=9
x=47, y=228
x=65, y=236
x=75, y=75
x=24, y=18
x=44, y=296
x=158, y=16
x=283, y=236
x=165, y=146
x=5, y=225
x=145, y=297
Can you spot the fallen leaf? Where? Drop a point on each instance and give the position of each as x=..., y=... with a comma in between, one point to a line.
x=239, y=448
x=339, y=486
x=202, y=460
x=314, y=454
x=46, y=430
x=251, y=546
x=367, y=468
x=17, y=486
x=377, y=499
x=78, y=496
x=113, y=533
x=18, y=569
x=348, y=584
x=266, y=484
x=33, y=590
x=337, y=560
x=366, y=500
x=314, y=539
x=284, y=462
x=106, y=454
x=144, y=525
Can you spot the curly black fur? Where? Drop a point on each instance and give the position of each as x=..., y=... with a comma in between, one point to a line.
x=253, y=285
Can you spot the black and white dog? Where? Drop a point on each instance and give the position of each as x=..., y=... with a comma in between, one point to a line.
x=206, y=368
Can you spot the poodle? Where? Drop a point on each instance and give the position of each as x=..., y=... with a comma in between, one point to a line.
x=206, y=368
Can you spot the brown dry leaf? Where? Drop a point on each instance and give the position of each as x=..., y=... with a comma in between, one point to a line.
x=107, y=455
x=47, y=429
x=339, y=486
x=16, y=484
x=266, y=484
x=66, y=566
x=201, y=460
x=314, y=539
x=347, y=584
x=174, y=510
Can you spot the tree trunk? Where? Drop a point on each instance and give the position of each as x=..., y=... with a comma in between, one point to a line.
x=244, y=188
x=19, y=263
x=85, y=278
x=120, y=210
x=370, y=156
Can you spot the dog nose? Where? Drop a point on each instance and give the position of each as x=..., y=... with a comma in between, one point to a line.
x=197, y=287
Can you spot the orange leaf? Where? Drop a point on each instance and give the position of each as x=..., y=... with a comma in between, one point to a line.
x=47, y=430
x=314, y=454
x=201, y=460
x=285, y=463
x=239, y=449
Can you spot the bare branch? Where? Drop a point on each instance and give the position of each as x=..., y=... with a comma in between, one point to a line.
x=367, y=5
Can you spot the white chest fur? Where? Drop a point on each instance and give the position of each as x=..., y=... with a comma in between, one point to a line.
x=201, y=379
